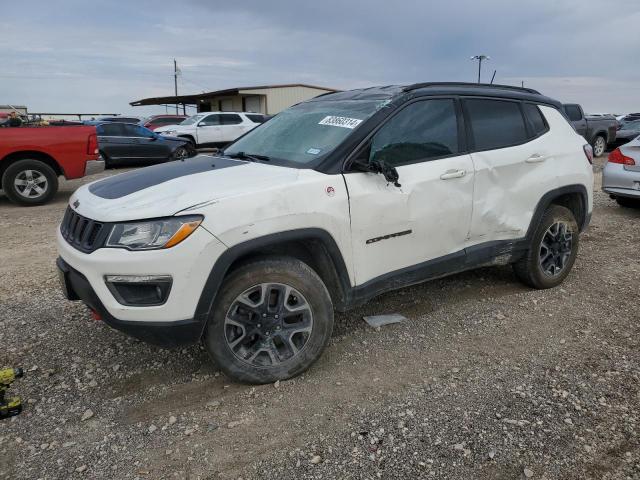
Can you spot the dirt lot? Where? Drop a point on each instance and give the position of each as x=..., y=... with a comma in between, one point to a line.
x=488, y=379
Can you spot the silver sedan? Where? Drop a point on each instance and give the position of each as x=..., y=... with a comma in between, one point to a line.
x=621, y=174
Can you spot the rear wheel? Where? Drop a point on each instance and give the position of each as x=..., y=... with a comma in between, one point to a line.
x=30, y=182
x=628, y=202
x=271, y=321
x=599, y=145
x=552, y=251
x=107, y=161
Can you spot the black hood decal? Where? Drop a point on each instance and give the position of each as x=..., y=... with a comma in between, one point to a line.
x=131, y=182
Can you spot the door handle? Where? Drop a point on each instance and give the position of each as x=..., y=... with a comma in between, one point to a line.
x=449, y=174
x=536, y=158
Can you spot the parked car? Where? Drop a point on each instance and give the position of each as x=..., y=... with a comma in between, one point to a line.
x=32, y=159
x=328, y=204
x=599, y=131
x=126, y=143
x=621, y=174
x=119, y=119
x=157, y=121
x=214, y=129
x=629, y=129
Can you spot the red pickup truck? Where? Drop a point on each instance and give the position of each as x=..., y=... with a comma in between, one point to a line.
x=32, y=159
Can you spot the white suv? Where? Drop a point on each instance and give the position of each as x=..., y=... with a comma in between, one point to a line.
x=332, y=202
x=215, y=128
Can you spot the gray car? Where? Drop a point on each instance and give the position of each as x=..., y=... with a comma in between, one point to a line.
x=621, y=174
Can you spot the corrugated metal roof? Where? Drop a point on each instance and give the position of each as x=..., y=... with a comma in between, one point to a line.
x=193, y=99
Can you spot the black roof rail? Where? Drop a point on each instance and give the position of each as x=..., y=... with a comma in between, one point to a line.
x=415, y=86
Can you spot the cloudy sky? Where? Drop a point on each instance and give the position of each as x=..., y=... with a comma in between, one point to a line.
x=78, y=55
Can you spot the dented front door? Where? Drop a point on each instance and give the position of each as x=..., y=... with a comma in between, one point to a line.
x=426, y=218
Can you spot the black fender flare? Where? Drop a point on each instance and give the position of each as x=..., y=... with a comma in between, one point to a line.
x=229, y=256
x=549, y=197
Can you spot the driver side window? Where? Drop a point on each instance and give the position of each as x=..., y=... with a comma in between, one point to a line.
x=422, y=131
x=209, y=121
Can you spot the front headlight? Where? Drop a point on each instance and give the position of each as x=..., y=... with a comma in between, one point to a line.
x=153, y=234
x=169, y=132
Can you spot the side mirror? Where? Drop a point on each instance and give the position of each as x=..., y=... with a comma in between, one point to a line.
x=377, y=165
x=389, y=172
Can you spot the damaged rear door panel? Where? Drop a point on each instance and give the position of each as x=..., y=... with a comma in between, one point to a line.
x=512, y=169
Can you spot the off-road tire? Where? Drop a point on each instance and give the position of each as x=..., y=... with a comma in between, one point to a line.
x=42, y=169
x=528, y=268
x=628, y=202
x=279, y=270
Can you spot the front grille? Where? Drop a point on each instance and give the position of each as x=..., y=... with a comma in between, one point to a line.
x=80, y=232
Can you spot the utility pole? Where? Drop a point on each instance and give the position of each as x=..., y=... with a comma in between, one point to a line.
x=480, y=58
x=175, y=81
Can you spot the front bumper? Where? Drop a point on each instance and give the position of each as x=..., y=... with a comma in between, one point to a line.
x=93, y=166
x=173, y=322
x=165, y=334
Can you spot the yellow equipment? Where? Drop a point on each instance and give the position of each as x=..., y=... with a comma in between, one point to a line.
x=12, y=405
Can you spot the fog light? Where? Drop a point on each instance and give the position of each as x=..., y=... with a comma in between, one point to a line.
x=139, y=290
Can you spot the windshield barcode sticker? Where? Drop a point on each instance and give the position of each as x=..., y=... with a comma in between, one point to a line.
x=343, y=122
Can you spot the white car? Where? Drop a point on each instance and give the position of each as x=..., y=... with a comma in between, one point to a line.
x=215, y=128
x=330, y=203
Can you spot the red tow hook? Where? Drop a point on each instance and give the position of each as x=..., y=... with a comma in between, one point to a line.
x=96, y=316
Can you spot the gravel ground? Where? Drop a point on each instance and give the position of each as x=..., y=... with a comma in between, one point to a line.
x=487, y=379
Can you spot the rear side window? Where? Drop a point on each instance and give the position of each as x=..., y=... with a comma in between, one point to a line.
x=110, y=130
x=256, y=118
x=495, y=123
x=573, y=112
x=421, y=131
x=230, y=119
x=535, y=121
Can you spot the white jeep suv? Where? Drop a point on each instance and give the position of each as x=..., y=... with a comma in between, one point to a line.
x=332, y=202
x=214, y=128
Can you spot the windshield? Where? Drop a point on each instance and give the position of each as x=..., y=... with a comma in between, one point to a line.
x=191, y=120
x=630, y=124
x=307, y=131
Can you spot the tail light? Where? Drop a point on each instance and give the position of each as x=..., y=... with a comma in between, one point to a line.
x=92, y=144
x=618, y=157
x=588, y=152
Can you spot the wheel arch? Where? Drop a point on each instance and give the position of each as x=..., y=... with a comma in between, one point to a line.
x=600, y=133
x=190, y=138
x=573, y=197
x=14, y=157
x=315, y=247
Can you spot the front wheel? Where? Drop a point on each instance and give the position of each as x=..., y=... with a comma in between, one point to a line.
x=599, y=145
x=271, y=321
x=552, y=251
x=30, y=182
x=181, y=153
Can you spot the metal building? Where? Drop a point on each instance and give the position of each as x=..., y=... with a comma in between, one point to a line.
x=267, y=99
x=19, y=109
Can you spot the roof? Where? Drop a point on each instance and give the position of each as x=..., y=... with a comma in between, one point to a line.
x=441, y=88
x=193, y=99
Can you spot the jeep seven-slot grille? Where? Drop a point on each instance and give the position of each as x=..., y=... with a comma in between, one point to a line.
x=80, y=232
